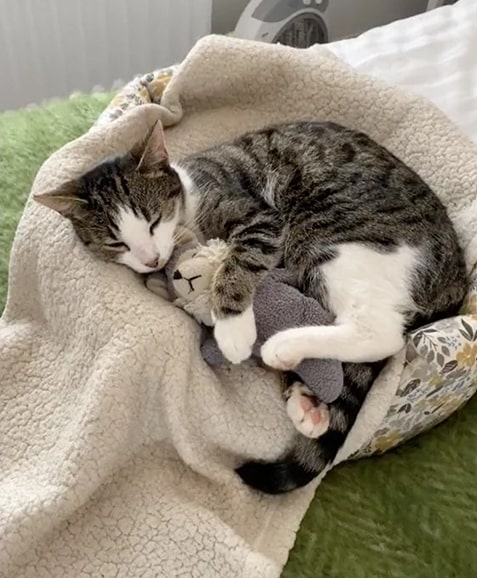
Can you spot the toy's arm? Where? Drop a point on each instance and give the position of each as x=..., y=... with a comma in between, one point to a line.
x=180, y=302
x=211, y=352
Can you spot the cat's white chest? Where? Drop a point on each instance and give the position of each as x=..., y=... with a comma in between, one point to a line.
x=362, y=280
x=369, y=292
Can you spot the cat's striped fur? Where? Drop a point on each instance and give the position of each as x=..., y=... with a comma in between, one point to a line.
x=313, y=197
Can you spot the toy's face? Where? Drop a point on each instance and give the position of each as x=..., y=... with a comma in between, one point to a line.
x=192, y=275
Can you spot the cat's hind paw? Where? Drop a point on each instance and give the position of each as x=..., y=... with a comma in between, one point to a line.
x=309, y=416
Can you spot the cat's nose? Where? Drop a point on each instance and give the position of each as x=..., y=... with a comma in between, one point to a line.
x=153, y=263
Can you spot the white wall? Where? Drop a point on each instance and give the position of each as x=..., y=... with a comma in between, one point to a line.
x=50, y=48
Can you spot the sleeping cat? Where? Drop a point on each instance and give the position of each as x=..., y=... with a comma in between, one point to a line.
x=362, y=232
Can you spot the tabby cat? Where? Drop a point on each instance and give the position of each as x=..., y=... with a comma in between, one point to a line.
x=361, y=231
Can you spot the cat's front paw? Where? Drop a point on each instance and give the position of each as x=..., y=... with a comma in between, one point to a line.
x=236, y=335
x=282, y=351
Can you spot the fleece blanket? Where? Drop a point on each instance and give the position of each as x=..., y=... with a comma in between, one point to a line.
x=118, y=441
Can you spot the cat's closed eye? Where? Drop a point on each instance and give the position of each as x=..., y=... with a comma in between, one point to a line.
x=154, y=224
x=118, y=245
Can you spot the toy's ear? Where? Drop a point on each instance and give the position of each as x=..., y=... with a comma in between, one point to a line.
x=185, y=258
x=65, y=199
x=149, y=154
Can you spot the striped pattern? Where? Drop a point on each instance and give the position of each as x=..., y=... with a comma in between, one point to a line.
x=292, y=194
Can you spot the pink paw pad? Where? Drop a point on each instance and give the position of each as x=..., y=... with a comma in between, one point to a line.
x=310, y=416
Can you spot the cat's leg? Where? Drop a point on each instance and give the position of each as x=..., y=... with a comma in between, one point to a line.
x=358, y=340
x=369, y=292
x=309, y=416
x=254, y=250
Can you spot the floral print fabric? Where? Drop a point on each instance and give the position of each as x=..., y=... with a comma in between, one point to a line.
x=439, y=376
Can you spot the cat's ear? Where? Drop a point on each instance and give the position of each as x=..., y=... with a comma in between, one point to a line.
x=150, y=154
x=65, y=199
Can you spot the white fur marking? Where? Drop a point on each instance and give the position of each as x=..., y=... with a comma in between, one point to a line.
x=310, y=420
x=268, y=193
x=368, y=291
x=191, y=198
x=235, y=335
x=163, y=237
x=144, y=247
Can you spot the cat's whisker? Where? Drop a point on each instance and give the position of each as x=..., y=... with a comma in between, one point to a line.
x=193, y=223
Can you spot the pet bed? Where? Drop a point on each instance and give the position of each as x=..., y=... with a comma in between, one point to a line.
x=62, y=508
x=434, y=382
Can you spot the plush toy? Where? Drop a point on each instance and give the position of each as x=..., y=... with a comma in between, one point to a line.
x=277, y=305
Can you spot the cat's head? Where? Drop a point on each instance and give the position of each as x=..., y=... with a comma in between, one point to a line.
x=126, y=209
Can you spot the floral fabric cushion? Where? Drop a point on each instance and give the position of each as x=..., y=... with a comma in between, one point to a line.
x=440, y=375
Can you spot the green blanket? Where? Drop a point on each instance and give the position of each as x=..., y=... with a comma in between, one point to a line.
x=411, y=513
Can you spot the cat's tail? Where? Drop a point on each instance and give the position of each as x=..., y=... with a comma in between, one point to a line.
x=309, y=457
x=282, y=476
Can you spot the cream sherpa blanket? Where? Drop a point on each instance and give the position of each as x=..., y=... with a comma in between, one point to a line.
x=118, y=441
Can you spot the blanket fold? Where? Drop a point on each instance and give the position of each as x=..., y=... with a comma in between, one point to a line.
x=118, y=441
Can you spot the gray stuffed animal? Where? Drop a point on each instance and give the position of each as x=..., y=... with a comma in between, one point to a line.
x=277, y=305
